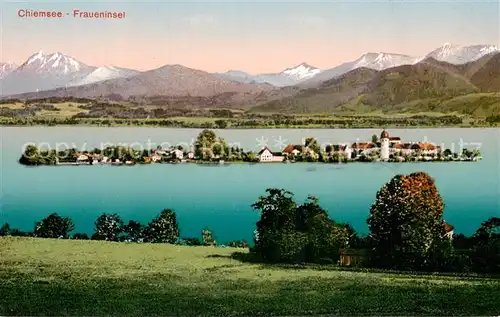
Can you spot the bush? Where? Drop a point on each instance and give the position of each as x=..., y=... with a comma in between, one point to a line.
x=5, y=230
x=238, y=244
x=133, y=232
x=80, y=236
x=191, y=241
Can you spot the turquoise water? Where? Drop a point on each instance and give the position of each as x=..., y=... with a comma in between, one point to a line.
x=220, y=196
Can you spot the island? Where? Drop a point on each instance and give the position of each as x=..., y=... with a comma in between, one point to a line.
x=211, y=149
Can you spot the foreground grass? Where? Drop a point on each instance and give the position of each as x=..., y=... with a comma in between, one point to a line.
x=71, y=277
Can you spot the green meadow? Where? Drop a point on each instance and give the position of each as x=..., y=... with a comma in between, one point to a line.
x=79, y=277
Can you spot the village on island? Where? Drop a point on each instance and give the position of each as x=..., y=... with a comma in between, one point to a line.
x=209, y=148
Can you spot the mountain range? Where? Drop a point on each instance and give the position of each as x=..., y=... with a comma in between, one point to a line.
x=372, y=80
x=429, y=85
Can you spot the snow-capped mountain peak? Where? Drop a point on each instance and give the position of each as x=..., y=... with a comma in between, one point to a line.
x=6, y=68
x=458, y=54
x=55, y=62
x=301, y=72
x=104, y=73
x=379, y=61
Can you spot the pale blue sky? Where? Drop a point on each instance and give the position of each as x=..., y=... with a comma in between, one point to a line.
x=250, y=36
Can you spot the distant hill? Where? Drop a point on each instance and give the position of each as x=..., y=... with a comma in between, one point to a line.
x=331, y=94
x=170, y=80
x=485, y=73
x=429, y=85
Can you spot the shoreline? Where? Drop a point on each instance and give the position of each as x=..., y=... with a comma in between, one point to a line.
x=227, y=163
x=249, y=127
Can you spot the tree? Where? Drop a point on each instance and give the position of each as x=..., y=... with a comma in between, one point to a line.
x=288, y=232
x=313, y=144
x=487, y=246
x=108, y=227
x=54, y=226
x=207, y=237
x=134, y=231
x=163, y=229
x=276, y=226
x=222, y=124
x=5, y=230
x=324, y=236
x=374, y=138
x=405, y=222
x=204, y=143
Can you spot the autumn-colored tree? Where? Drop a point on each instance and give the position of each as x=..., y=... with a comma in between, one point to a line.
x=406, y=225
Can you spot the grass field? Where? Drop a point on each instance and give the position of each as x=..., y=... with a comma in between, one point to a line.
x=75, y=277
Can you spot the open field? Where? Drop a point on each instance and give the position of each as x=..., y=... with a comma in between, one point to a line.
x=114, y=114
x=75, y=277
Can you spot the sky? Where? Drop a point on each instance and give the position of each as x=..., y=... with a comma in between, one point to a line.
x=252, y=36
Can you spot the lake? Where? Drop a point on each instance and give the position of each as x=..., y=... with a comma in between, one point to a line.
x=220, y=196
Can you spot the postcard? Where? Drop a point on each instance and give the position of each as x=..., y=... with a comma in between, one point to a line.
x=250, y=158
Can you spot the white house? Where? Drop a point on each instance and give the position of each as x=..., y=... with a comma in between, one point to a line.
x=191, y=155
x=343, y=149
x=448, y=230
x=364, y=148
x=178, y=154
x=82, y=157
x=265, y=155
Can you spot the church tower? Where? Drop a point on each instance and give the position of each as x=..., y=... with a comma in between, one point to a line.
x=384, y=146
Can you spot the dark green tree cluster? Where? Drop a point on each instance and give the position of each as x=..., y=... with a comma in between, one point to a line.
x=288, y=232
x=162, y=229
x=34, y=156
x=54, y=226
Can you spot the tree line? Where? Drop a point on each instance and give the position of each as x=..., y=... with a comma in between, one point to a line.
x=110, y=227
x=406, y=232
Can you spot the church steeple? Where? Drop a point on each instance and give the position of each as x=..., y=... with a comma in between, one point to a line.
x=384, y=135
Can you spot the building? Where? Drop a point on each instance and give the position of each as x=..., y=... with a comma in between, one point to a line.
x=190, y=155
x=82, y=158
x=394, y=140
x=293, y=150
x=266, y=155
x=178, y=154
x=363, y=148
x=449, y=229
x=384, y=146
x=342, y=149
